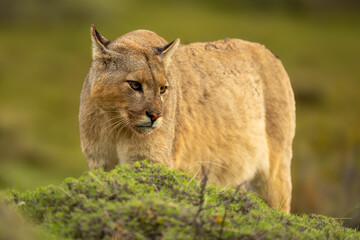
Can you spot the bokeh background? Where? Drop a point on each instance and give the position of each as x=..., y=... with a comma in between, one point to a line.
x=45, y=53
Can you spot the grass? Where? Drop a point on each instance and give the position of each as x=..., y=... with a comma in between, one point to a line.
x=148, y=201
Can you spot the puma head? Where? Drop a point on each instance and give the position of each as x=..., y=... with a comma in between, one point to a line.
x=127, y=78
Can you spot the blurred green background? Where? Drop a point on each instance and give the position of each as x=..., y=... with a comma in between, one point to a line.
x=45, y=53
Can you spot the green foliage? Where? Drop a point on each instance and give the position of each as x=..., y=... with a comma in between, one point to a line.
x=148, y=201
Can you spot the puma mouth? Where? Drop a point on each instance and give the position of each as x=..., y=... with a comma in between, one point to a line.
x=146, y=126
x=143, y=128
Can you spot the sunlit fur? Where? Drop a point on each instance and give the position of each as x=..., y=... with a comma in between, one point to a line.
x=229, y=106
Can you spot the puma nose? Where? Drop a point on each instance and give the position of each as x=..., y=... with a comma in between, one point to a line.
x=153, y=115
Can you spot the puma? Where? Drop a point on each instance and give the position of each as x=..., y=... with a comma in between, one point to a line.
x=227, y=105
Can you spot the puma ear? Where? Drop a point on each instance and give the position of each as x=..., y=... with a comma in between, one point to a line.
x=99, y=43
x=165, y=52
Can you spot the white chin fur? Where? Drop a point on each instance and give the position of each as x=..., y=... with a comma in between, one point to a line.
x=157, y=123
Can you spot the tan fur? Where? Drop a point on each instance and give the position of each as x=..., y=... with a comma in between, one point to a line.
x=229, y=105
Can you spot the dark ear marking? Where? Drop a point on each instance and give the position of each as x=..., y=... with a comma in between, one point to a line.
x=99, y=43
x=98, y=37
x=165, y=52
x=160, y=50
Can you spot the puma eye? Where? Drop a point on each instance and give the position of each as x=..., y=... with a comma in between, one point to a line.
x=163, y=89
x=135, y=85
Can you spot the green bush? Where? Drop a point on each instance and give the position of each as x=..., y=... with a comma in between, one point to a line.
x=148, y=201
